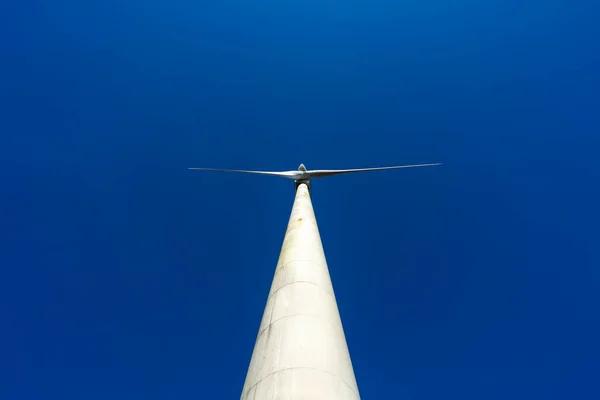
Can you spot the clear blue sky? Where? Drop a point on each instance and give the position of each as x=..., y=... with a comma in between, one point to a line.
x=125, y=276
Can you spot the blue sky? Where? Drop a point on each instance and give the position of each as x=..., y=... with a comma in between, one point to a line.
x=125, y=276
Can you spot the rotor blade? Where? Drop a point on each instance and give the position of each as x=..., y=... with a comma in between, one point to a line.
x=321, y=173
x=285, y=174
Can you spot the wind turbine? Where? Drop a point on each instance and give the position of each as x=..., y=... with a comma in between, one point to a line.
x=301, y=351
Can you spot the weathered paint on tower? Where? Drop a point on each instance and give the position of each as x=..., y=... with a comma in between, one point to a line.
x=301, y=351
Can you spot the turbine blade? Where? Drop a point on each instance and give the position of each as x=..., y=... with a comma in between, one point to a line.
x=321, y=173
x=285, y=174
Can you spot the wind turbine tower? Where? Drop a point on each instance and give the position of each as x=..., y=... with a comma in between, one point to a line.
x=301, y=351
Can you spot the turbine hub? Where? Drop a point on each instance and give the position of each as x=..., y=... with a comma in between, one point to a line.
x=301, y=167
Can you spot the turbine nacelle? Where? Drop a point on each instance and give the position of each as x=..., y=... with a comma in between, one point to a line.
x=301, y=179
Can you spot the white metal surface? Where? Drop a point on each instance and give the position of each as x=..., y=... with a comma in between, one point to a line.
x=301, y=351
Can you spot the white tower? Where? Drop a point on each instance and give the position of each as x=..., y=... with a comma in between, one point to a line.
x=301, y=351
